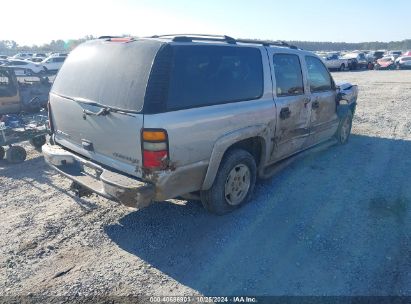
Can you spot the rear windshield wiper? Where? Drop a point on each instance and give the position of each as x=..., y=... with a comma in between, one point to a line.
x=105, y=110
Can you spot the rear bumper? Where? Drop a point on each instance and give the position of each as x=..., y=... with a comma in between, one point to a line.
x=109, y=184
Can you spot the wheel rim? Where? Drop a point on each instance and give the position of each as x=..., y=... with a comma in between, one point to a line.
x=237, y=184
x=345, y=129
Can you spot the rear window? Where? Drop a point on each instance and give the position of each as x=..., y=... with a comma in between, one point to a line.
x=111, y=73
x=210, y=75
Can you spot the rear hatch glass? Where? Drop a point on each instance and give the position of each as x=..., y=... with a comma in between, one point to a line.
x=110, y=73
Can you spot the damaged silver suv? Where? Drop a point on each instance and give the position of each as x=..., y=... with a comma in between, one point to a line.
x=191, y=116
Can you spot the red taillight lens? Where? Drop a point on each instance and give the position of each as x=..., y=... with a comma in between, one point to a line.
x=154, y=159
x=155, y=149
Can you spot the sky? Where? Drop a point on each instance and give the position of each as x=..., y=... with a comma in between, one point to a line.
x=41, y=21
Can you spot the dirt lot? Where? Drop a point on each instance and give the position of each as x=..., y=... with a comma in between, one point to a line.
x=337, y=222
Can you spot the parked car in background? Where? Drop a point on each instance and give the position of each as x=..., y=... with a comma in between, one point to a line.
x=403, y=62
x=385, y=63
x=35, y=59
x=394, y=54
x=334, y=62
x=192, y=116
x=22, y=56
x=39, y=55
x=59, y=55
x=53, y=63
x=407, y=53
x=24, y=67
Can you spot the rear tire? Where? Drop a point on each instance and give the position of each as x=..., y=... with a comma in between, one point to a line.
x=342, y=68
x=233, y=185
x=16, y=154
x=344, y=128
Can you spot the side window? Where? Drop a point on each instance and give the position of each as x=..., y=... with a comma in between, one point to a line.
x=59, y=59
x=319, y=78
x=209, y=75
x=288, y=75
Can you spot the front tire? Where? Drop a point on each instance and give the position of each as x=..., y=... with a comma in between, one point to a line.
x=233, y=185
x=344, y=128
x=342, y=68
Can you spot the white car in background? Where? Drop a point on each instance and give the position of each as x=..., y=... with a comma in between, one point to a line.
x=22, y=56
x=334, y=62
x=53, y=63
x=25, y=67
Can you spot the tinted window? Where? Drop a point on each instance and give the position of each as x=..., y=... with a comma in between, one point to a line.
x=59, y=59
x=319, y=78
x=288, y=75
x=207, y=75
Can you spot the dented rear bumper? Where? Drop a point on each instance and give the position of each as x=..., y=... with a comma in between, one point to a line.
x=127, y=190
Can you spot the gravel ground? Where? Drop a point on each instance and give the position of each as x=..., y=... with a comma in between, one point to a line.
x=334, y=223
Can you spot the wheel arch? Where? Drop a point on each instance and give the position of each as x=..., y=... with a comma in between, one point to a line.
x=253, y=139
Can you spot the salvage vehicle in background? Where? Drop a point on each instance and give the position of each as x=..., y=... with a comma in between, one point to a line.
x=375, y=55
x=403, y=62
x=25, y=67
x=16, y=124
x=394, y=54
x=334, y=62
x=195, y=116
x=385, y=63
x=357, y=60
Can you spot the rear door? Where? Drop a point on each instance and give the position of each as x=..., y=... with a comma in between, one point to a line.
x=293, y=107
x=97, y=99
x=324, y=120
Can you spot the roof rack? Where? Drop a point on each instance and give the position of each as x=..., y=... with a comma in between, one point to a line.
x=222, y=38
x=198, y=37
x=267, y=43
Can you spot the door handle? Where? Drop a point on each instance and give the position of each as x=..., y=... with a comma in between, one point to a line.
x=315, y=105
x=285, y=113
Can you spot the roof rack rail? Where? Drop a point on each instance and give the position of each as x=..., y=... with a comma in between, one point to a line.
x=201, y=37
x=222, y=38
x=267, y=43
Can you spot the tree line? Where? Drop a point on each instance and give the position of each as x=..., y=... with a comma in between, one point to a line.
x=9, y=47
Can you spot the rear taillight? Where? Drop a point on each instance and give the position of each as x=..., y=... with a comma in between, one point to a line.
x=155, y=149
